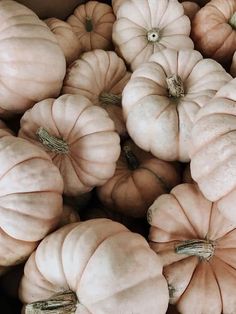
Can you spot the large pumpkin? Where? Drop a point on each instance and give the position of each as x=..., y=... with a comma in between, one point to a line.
x=214, y=30
x=163, y=96
x=96, y=267
x=146, y=27
x=138, y=180
x=31, y=200
x=197, y=246
x=79, y=137
x=213, y=150
x=32, y=64
x=92, y=22
x=101, y=76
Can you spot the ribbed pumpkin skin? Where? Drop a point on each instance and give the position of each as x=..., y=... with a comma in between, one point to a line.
x=213, y=149
x=32, y=64
x=196, y=284
x=111, y=270
x=93, y=146
x=30, y=198
x=190, y=9
x=92, y=22
x=95, y=73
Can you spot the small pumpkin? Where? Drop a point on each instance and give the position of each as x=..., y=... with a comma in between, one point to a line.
x=92, y=23
x=146, y=27
x=233, y=66
x=101, y=76
x=190, y=9
x=138, y=180
x=212, y=150
x=79, y=137
x=214, y=30
x=96, y=266
x=32, y=63
x=163, y=96
x=197, y=248
x=66, y=38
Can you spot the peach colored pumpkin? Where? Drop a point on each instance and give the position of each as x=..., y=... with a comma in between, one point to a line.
x=163, y=96
x=233, y=66
x=197, y=247
x=190, y=9
x=138, y=180
x=32, y=64
x=66, y=38
x=214, y=30
x=100, y=266
x=31, y=200
x=101, y=76
x=80, y=139
x=92, y=23
x=213, y=149
x=146, y=27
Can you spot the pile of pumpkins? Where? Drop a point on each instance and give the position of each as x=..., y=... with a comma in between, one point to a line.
x=118, y=177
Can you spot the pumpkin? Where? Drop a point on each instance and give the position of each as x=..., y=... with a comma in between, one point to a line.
x=233, y=66
x=92, y=23
x=78, y=136
x=214, y=30
x=98, y=266
x=190, y=9
x=163, y=96
x=66, y=38
x=116, y=4
x=197, y=248
x=138, y=180
x=31, y=200
x=212, y=150
x=101, y=76
x=32, y=64
x=201, y=3
x=146, y=27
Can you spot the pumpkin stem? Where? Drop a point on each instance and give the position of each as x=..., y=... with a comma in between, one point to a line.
x=61, y=303
x=175, y=86
x=109, y=98
x=53, y=143
x=232, y=20
x=88, y=24
x=153, y=35
x=131, y=159
x=204, y=249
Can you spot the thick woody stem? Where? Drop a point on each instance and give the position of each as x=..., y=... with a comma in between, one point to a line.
x=204, y=249
x=131, y=159
x=232, y=20
x=175, y=86
x=110, y=98
x=89, y=24
x=53, y=143
x=153, y=35
x=60, y=303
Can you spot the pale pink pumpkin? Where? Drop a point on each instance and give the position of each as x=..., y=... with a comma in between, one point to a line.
x=163, y=96
x=233, y=66
x=92, y=23
x=146, y=27
x=100, y=267
x=80, y=139
x=101, y=76
x=32, y=63
x=197, y=246
x=213, y=149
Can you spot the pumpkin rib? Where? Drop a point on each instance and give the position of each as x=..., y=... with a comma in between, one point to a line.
x=84, y=136
x=159, y=179
x=218, y=284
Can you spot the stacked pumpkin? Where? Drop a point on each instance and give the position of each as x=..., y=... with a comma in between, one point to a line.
x=119, y=104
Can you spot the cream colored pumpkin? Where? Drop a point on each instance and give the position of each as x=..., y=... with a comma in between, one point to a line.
x=146, y=27
x=163, y=96
x=101, y=76
x=79, y=137
x=116, y=4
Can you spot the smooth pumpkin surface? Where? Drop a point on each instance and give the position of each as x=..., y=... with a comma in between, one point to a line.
x=163, y=96
x=66, y=38
x=197, y=248
x=79, y=137
x=92, y=23
x=107, y=267
x=146, y=27
x=214, y=30
x=101, y=76
x=138, y=180
x=32, y=64
x=213, y=150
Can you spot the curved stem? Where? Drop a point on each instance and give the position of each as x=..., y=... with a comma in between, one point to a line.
x=204, y=249
x=89, y=24
x=110, y=98
x=53, y=143
x=175, y=86
x=131, y=159
x=232, y=20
